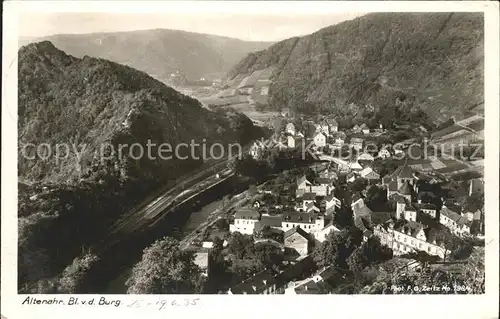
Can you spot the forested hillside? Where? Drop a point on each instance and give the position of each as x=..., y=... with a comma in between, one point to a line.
x=160, y=52
x=381, y=61
x=66, y=203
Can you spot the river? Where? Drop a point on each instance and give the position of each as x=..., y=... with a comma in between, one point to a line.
x=198, y=217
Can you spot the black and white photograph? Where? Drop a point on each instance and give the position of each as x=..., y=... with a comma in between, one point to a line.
x=246, y=153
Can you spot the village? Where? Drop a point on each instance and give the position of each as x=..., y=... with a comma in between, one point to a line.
x=383, y=194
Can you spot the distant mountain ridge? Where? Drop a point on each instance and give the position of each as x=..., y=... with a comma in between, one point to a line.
x=159, y=52
x=431, y=61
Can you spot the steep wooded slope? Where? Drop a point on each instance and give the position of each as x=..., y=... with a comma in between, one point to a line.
x=432, y=61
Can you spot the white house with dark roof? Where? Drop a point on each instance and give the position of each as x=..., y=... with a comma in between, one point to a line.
x=323, y=127
x=400, y=181
x=290, y=128
x=298, y=240
x=369, y=173
x=322, y=187
x=364, y=128
x=323, y=233
x=262, y=283
x=384, y=153
x=360, y=212
x=452, y=219
x=319, y=139
x=309, y=222
x=356, y=143
x=366, y=157
x=244, y=220
x=291, y=141
x=330, y=203
x=427, y=208
x=404, y=237
x=332, y=124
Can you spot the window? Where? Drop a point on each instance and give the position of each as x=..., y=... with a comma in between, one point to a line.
x=405, y=239
x=286, y=225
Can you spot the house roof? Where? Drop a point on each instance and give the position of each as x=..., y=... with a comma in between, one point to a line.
x=425, y=206
x=297, y=230
x=201, y=259
x=341, y=135
x=302, y=179
x=405, y=189
x=324, y=180
x=311, y=206
x=393, y=186
x=299, y=217
x=255, y=284
x=372, y=175
x=309, y=196
x=246, y=213
x=411, y=227
x=450, y=213
x=290, y=125
x=356, y=140
x=356, y=165
x=271, y=221
x=309, y=287
x=329, y=197
x=356, y=197
x=367, y=171
x=381, y=217
x=365, y=157
x=319, y=133
x=398, y=198
x=404, y=171
x=332, y=122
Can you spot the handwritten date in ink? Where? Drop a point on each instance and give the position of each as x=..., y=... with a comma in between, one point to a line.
x=164, y=303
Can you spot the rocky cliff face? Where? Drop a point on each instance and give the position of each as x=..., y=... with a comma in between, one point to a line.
x=431, y=61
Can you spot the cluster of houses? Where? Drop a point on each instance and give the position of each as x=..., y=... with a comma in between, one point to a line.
x=408, y=229
x=321, y=135
x=315, y=203
x=412, y=226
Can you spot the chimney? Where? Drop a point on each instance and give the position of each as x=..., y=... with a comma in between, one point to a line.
x=419, y=201
x=254, y=288
x=264, y=281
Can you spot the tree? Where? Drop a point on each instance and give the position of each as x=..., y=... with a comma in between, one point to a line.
x=268, y=255
x=240, y=245
x=357, y=260
x=358, y=185
x=218, y=246
x=165, y=269
x=376, y=198
x=222, y=224
x=337, y=247
x=73, y=276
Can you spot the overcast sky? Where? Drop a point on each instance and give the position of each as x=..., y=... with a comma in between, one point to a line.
x=246, y=27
